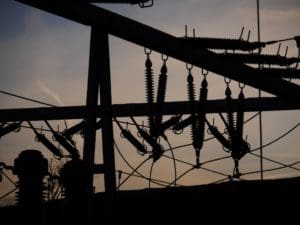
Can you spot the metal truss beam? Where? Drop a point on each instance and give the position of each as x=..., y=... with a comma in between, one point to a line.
x=140, y=109
x=164, y=43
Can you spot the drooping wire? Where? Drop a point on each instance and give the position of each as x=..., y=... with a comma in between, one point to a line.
x=8, y=193
x=150, y=175
x=179, y=160
x=277, y=139
x=219, y=181
x=174, y=165
x=272, y=169
x=213, y=171
x=183, y=174
x=27, y=99
x=155, y=181
x=30, y=100
x=133, y=171
x=196, y=167
x=8, y=178
x=174, y=162
x=226, y=157
x=274, y=161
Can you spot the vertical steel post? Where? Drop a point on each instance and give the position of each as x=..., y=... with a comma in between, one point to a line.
x=99, y=76
x=91, y=104
x=98, y=64
x=106, y=106
x=107, y=126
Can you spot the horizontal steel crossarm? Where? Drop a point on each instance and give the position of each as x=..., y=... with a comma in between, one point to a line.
x=140, y=109
x=159, y=41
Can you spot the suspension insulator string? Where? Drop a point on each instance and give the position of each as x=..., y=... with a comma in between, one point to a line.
x=149, y=88
x=201, y=117
x=230, y=116
x=241, y=147
x=191, y=97
x=160, y=98
x=240, y=113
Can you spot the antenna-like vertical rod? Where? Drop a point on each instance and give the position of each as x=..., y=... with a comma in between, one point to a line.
x=259, y=96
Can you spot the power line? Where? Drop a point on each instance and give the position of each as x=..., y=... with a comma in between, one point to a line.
x=8, y=178
x=27, y=99
x=278, y=138
x=8, y=193
x=156, y=181
x=133, y=171
x=145, y=178
x=170, y=147
x=183, y=174
x=150, y=174
x=272, y=169
x=274, y=161
x=174, y=161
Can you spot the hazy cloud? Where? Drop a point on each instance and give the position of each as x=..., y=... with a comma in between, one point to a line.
x=49, y=92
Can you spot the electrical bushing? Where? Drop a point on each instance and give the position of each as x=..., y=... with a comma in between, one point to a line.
x=74, y=179
x=31, y=168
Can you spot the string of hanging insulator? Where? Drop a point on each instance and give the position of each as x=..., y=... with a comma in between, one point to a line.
x=161, y=94
x=149, y=91
x=191, y=96
x=240, y=114
x=201, y=112
x=230, y=116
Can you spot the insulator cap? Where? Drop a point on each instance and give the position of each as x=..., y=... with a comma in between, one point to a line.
x=30, y=163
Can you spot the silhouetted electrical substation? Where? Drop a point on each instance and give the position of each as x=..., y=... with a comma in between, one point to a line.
x=234, y=59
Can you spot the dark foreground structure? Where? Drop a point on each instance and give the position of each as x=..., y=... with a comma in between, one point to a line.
x=235, y=202
x=242, y=202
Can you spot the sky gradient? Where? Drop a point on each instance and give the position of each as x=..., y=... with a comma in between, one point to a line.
x=45, y=57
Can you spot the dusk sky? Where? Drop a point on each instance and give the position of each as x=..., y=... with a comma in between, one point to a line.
x=45, y=57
